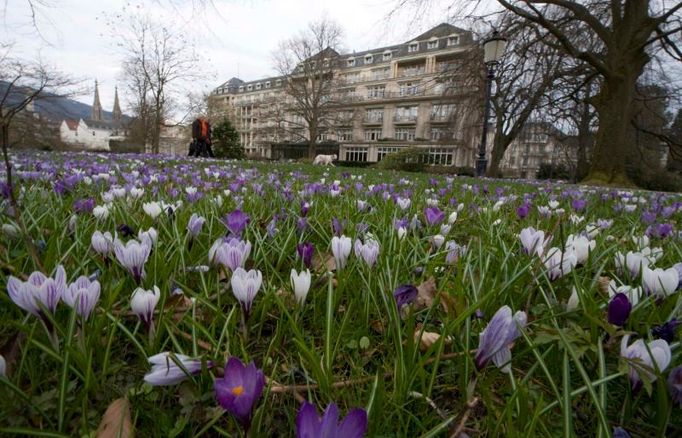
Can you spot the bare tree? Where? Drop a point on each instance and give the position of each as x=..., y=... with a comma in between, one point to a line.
x=23, y=83
x=157, y=61
x=309, y=64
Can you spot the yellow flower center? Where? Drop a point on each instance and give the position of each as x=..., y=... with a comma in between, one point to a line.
x=238, y=390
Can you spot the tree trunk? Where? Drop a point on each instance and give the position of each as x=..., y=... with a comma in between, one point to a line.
x=312, y=132
x=614, y=144
x=500, y=145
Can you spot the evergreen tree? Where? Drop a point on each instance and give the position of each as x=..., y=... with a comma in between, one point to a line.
x=226, y=141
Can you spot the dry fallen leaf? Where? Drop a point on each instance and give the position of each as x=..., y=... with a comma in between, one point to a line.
x=426, y=293
x=324, y=263
x=428, y=339
x=116, y=422
x=603, y=285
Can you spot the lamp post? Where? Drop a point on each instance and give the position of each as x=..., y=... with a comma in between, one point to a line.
x=493, y=49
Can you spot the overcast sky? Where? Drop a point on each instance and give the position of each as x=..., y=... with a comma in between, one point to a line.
x=237, y=37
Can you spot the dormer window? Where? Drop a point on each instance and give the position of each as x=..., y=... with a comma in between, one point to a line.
x=387, y=55
x=278, y=82
x=350, y=62
x=413, y=47
x=241, y=89
x=433, y=44
x=453, y=40
x=250, y=87
x=258, y=86
x=369, y=59
x=267, y=84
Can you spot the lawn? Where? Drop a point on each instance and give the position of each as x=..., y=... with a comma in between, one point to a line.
x=265, y=292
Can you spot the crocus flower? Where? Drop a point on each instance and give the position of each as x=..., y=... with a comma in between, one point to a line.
x=38, y=289
x=82, y=295
x=368, y=251
x=3, y=366
x=102, y=243
x=310, y=425
x=633, y=261
x=496, y=339
x=143, y=302
x=619, y=310
x=148, y=237
x=239, y=389
x=305, y=251
x=433, y=215
x=341, y=250
x=659, y=282
x=194, y=225
x=245, y=286
x=229, y=252
x=236, y=222
x=581, y=246
x=437, y=241
x=101, y=212
x=300, y=283
x=167, y=368
x=619, y=432
x=403, y=203
x=338, y=226
x=132, y=256
x=455, y=251
x=152, y=209
x=675, y=385
x=405, y=294
x=666, y=330
x=559, y=263
x=643, y=363
x=84, y=205
x=532, y=241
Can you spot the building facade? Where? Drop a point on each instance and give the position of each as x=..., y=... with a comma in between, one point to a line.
x=96, y=132
x=385, y=100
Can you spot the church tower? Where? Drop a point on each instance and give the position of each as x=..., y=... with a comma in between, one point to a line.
x=96, y=106
x=116, y=114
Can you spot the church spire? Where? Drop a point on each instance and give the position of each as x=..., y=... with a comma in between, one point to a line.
x=116, y=113
x=96, y=106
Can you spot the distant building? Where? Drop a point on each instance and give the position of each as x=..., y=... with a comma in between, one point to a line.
x=538, y=143
x=95, y=133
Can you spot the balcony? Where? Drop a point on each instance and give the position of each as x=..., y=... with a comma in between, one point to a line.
x=373, y=120
x=441, y=118
x=404, y=119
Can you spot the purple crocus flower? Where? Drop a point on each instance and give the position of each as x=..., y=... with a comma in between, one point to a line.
x=619, y=310
x=496, y=339
x=83, y=205
x=645, y=359
x=82, y=295
x=675, y=385
x=132, y=256
x=619, y=432
x=305, y=251
x=302, y=224
x=578, y=204
x=236, y=222
x=368, y=251
x=659, y=231
x=338, y=226
x=455, y=251
x=667, y=330
x=433, y=215
x=305, y=207
x=405, y=294
x=172, y=368
x=239, y=389
x=229, y=252
x=38, y=289
x=310, y=425
x=523, y=211
x=195, y=224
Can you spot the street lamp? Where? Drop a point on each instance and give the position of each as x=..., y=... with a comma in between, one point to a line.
x=493, y=49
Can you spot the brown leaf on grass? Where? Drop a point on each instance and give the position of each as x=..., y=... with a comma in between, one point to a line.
x=178, y=304
x=426, y=293
x=324, y=263
x=428, y=339
x=11, y=352
x=603, y=285
x=377, y=326
x=116, y=422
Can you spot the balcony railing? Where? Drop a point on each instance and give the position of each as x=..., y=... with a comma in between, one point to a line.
x=441, y=117
x=401, y=118
x=373, y=120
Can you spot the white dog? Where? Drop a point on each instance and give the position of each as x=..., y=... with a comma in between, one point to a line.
x=325, y=160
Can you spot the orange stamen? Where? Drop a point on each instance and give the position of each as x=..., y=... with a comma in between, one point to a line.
x=238, y=390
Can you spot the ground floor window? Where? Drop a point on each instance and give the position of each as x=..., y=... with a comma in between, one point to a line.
x=385, y=150
x=356, y=153
x=440, y=156
x=404, y=134
x=373, y=134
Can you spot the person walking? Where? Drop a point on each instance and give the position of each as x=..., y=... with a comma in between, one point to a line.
x=201, y=138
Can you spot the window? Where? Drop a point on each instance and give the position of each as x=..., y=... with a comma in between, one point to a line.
x=404, y=134
x=441, y=156
x=278, y=82
x=387, y=55
x=373, y=134
x=385, y=150
x=442, y=112
x=413, y=70
x=381, y=73
x=350, y=62
x=437, y=134
x=409, y=88
x=258, y=86
x=406, y=113
x=376, y=92
x=369, y=59
x=344, y=135
x=250, y=87
x=93, y=133
x=413, y=47
x=374, y=115
x=267, y=84
x=433, y=44
x=356, y=153
x=453, y=40
x=345, y=116
x=322, y=136
x=352, y=78
x=241, y=89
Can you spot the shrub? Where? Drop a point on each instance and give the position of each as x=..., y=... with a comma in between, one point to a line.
x=408, y=160
x=553, y=171
x=226, y=141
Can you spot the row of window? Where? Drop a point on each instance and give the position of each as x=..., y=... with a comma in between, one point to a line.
x=403, y=134
x=402, y=113
x=452, y=40
x=259, y=86
x=439, y=156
